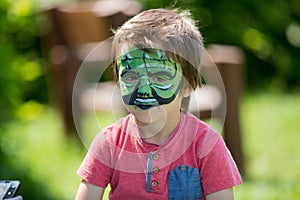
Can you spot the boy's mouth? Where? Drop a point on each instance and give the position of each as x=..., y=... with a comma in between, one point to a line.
x=144, y=107
x=146, y=103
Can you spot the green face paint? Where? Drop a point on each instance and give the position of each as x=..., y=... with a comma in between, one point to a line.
x=148, y=77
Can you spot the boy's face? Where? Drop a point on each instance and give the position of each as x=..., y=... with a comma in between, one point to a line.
x=148, y=77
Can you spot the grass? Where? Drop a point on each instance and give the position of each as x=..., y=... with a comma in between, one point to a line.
x=270, y=124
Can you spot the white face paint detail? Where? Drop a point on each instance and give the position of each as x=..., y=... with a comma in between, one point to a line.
x=163, y=87
x=128, y=84
x=146, y=100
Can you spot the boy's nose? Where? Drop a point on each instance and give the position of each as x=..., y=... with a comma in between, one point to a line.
x=144, y=89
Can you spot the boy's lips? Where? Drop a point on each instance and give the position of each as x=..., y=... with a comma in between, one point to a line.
x=145, y=103
x=145, y=107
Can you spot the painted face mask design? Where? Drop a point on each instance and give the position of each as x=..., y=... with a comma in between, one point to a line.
x=148, y=77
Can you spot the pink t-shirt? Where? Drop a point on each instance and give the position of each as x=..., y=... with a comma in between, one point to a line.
x=192, y=163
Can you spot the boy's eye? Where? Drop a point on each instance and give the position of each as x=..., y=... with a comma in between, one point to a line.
x=160, y=77
x=130, y=77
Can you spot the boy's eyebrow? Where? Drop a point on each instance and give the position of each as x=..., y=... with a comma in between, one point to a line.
x=165, y=73
x=125, y=71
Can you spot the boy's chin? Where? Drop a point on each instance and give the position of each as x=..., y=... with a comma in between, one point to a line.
x=149, y=115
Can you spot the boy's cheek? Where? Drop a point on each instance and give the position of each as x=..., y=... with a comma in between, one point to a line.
x=164, y=94
x=126, y=90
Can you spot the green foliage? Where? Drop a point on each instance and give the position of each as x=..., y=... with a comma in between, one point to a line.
x=38, y=155
x=22, y=75
x=23, y=88
x=268, y=31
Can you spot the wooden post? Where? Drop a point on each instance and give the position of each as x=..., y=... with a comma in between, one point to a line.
x=230, y=62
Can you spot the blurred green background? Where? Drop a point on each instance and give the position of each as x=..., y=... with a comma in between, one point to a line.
x=35, y=150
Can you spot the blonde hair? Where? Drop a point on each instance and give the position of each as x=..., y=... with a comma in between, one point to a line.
x=171, y=30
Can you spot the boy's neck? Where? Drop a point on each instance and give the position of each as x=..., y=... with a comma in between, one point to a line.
x=162, y=129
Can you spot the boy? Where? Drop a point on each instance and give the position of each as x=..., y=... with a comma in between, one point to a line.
x=159, y=151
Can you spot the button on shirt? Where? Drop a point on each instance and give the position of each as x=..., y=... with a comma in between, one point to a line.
x=136, y=169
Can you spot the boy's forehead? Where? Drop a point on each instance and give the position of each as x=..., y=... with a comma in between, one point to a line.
x=149, y=56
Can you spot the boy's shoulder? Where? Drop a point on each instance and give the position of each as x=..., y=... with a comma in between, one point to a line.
x=202, y=127
x=205, y=137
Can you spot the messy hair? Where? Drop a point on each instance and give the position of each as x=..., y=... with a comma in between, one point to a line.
x=170, y=30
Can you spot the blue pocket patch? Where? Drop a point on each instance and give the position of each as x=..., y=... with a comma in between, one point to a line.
x=184, y=183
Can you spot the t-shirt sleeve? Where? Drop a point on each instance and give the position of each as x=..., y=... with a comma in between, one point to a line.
x=95, y=167
x=218, y=170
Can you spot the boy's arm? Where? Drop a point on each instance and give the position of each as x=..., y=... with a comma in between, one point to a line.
x=226, y=194
x=88, y=191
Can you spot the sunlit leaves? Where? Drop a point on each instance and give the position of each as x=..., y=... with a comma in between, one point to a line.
x=293, y=34
x=257, y=42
